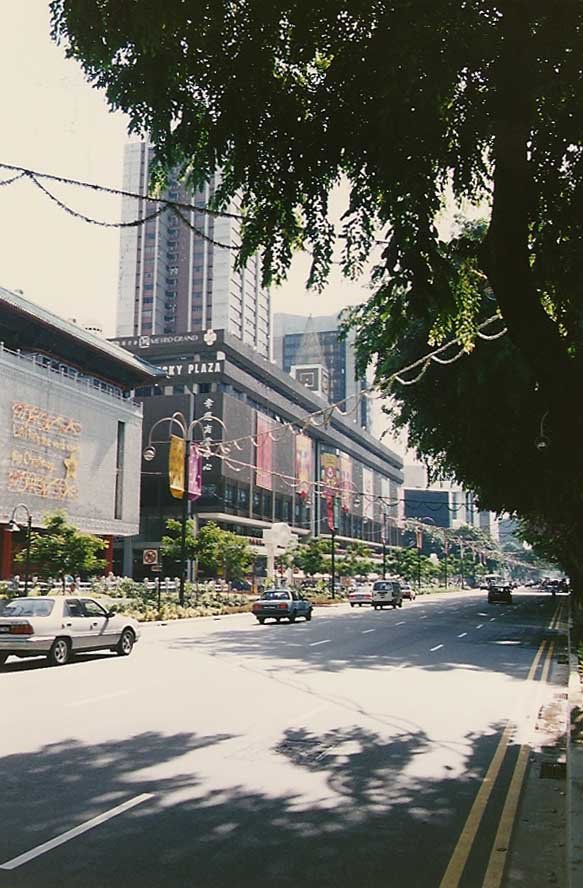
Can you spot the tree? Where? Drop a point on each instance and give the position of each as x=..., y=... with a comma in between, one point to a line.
x=313, y=557
x=62, y=550
x=407, y=102
x=356, y=561
x=217, y=551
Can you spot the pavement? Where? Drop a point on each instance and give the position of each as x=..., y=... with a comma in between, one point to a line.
x=418, y=747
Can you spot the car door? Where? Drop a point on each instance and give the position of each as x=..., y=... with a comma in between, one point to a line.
x=76, y=624
x=100, y=633
x=298, y=604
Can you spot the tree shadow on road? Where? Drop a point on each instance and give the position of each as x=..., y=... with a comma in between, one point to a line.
x=343, y=808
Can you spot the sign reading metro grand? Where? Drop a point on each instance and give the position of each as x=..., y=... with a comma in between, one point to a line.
x=44, y=456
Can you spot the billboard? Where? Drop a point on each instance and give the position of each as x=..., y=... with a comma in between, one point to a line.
x=329, y=475
x=264, y=453
x=346, y=484
x=303, y=462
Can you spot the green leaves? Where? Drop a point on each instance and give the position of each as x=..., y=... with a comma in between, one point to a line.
x=218, y=552
x=62, y=549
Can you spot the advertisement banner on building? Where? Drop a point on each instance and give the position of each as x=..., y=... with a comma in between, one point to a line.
x=329, y=475
x=264, y=453
x=176, y=466
x=346, y=484
x=303, y=464
x=367, y=494
x=194, y=473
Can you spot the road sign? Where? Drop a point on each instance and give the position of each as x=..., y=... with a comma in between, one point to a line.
x=156, y=568
x=150, y=556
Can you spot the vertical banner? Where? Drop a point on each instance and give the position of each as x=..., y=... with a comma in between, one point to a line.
x=367, y=494
x=303, y=464
x=346, y=484
x=329, y=472
x=176, y=466
x=264, y=453
x=194, y=473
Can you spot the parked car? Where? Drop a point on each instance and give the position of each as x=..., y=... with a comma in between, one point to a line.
x=241, y=586
x=408, y=591
x=59, y=626
x=281, y=604
x=360, y=595
x=387, y=592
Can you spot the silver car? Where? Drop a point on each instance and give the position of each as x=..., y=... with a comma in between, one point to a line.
x=59, y=626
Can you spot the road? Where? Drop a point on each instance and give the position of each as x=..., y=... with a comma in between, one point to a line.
x=352, y=750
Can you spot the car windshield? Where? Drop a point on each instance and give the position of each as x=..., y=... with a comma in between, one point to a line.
x=275, y=595
x=383, y=587
x=26, y=607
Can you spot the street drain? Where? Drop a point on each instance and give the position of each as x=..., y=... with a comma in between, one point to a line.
x=550, y=770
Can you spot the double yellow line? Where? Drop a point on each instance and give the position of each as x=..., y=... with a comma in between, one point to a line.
x=500, y=849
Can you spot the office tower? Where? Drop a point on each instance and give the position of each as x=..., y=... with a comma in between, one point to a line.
x=176, y=277
x=304, y=343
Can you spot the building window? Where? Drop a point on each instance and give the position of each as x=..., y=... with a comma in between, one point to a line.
x=119, y=464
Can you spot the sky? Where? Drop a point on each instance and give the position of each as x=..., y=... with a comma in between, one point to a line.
x=53, y=121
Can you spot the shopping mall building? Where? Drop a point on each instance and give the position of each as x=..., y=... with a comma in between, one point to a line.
x=70, y=432
x=274, y=441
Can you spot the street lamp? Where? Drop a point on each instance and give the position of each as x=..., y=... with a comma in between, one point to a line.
x=186, y=432
x=14, y=527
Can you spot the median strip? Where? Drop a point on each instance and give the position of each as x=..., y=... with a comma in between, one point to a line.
x=73, y=833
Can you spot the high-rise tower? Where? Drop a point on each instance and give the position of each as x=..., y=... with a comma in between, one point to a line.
x=179, y=278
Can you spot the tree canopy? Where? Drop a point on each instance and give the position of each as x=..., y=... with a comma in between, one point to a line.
x=217, y=551
x=62, y=550
x=409, y=101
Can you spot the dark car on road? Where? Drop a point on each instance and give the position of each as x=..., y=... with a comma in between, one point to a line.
x=500, y=592
x=281, y=604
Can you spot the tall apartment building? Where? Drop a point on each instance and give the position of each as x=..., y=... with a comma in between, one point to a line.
x=300, y=343
x=175, y=278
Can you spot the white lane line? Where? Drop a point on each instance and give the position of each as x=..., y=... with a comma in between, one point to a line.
x=314, y=643
x=480, y=626
x=436, y=648
x=401, y=623
x=462, y=634
x=364, y=631
x=424, y=618
x=73, y=833
x=492, y=619
x=99, y=699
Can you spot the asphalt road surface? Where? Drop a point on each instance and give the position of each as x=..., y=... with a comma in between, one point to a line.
x=361, y=749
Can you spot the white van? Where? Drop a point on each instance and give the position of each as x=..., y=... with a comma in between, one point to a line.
x=387, y=592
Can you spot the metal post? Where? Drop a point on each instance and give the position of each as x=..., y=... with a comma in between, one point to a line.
x=27, y=556
x=462, y=562
x=384, y=545
x=445, y=549
x=419, y=568
x=333, y=564
x=184, y=521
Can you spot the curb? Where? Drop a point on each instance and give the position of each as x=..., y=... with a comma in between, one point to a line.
x=574, y=787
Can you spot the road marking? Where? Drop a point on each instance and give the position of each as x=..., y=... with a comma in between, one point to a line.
x=480, y=626
x=462, y=635
x=364, y=631
x=498, y=856
x=401, y=623
x=436, y=648
x=73, y=833
x=458, y=860
x=492, y=619
x=314, y=643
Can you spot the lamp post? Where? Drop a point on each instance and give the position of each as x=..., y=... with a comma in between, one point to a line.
x=384, y=545
x=178, y=422
x=13, y=527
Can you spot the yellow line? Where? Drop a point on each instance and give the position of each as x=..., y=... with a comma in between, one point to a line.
x=499, y=854
x=462, y=850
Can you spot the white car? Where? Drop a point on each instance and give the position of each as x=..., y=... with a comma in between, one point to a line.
x=359, y=596
x=58, y=626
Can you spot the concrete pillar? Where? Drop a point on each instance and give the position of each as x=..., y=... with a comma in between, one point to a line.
x=128, y=557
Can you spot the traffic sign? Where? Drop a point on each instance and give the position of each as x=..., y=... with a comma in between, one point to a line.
x=150, y=556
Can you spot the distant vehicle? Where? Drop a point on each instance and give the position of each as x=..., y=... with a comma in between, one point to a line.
x=362, y=594
x=500, y=592
x=408, y=591
x=387, y=593
x=281, y=604
x=60, y=626
x=241, y=586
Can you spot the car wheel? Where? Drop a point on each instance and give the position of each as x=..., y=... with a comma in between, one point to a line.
x=278, y=620
x=261, y=620
x=401, y=603
x=3, y=658
x=308, y=616
x=60, y=652
x=126, y=643
x=292, y=618
x=394, y=605
x=351, y=605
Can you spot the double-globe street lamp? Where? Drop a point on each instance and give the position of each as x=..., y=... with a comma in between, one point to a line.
x=14, y=527
x=177, y=422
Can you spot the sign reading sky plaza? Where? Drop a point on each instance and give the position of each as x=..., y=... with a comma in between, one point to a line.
x=193, y=368
x=44, y=457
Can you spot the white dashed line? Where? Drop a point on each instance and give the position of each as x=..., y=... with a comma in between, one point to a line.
x=314, y=643
x=462, y=635
x=436, y=648
x=364, y=631
x=480, y=626
x=492, y=619
x=401, y=623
